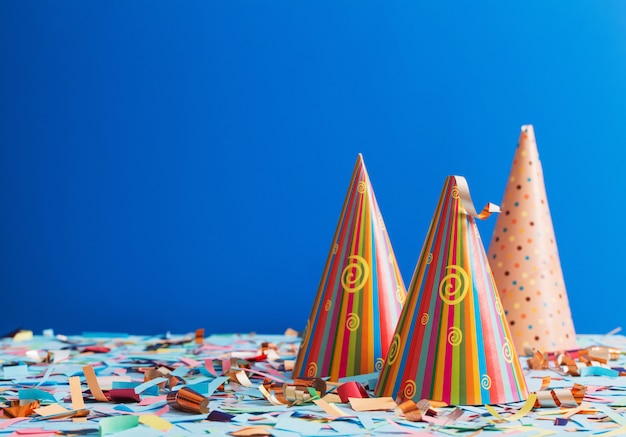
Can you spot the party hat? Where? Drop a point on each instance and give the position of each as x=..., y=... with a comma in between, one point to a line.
x=525, y=259
x=360, y=294
x=452, y=342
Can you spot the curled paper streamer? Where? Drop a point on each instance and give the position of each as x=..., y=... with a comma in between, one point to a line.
x=199, y=337
x=17, y=410
x=466, y=200
x=351, y=389
x=570, y=366
x=300, y=391
x=589, y=361
x=414, y=412
x=561, y=397
x=189, y=400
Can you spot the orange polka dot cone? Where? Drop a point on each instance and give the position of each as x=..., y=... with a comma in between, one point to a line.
x=360, y=294
x=452, y=343
x=525, y=260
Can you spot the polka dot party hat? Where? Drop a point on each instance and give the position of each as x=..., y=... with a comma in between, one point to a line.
x=360, y=294
x=452, y=343
x=525, y=259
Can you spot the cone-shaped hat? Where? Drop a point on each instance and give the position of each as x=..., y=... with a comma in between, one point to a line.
x=525, y=259
x=452, y=343
x=360, y=294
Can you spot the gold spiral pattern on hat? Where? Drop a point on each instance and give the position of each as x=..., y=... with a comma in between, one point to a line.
x=507, y=351
x=455, y=192
x=485, y=382
x=455, y=336
x=424, y=319
x=498, y=307
x=361, y=187
x=311, y=370
x=400, y=295
x=454, y=294
x=328, y=305
x=378, y=366
x=409, y=389
x=394, y=349
x=355, y=274
x=429, y=258
x=353, y=322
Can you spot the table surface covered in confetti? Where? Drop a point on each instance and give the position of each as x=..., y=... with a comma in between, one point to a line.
x=47, y=388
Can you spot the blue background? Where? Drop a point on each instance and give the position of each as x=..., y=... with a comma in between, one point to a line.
x=175, y=165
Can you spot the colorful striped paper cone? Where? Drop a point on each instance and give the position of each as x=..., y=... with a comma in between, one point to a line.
x=360, y=294
x=452, y=342
x=525, y=258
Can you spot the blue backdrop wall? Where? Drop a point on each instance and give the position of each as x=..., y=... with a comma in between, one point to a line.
x=169, y=166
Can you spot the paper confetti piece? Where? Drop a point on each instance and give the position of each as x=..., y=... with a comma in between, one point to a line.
x=5, y=423
x=14, y=372
x=445, y=419
x=23, y=335
x=330, y=409
x=270, y=397
x=208, y=365
x=111, y=425
x=598, y=371
x=34, y=394
x=252, y=431
x=151, y=383
x=372, y=404
x=528, y=405
x=243, y=379
x=32, y=432
x=614, y=416
x=94, y=386
x=51, y=410
x=545, y=382
x=619, y=431
x=155, y=422
x=219, y=416
x=351, y=389
x=123, y=395
x=287, y=423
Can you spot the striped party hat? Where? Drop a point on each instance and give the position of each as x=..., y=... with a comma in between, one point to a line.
x=360, y=294
x=525, y=258
x=452, y=342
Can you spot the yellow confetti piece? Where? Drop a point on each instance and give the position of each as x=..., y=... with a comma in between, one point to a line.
x=23, y=336
x=521, y=413
x=155, y=422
